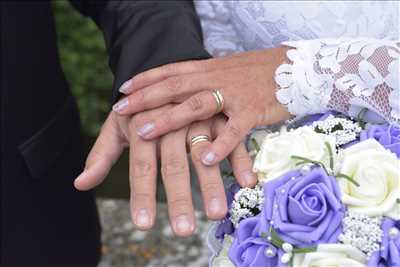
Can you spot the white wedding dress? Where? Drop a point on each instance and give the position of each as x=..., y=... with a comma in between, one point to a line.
x=345, y=54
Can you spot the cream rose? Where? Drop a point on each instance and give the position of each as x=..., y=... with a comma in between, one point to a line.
x=274, y=158
x=222, y=260
x=332, y=255
x=377, y=171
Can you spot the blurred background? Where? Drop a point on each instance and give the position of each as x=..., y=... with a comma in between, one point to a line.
x=85, y=64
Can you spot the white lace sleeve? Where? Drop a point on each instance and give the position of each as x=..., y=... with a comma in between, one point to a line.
x=220, y=37
x=345, y=74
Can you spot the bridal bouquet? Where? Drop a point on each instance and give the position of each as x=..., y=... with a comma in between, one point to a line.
x=328, y=195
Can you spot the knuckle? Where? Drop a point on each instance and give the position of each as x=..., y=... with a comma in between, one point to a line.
x=234, y=130
x=165, y=119
x=210, y=186
x=132, y=124
x=174, y=167
x=196, y=154
x=180, y=202
x=240, y=157
x=173, y=84
x=225, y=145
x=170, y=69
x=141, y=198
x=139, y=98
x=195, y=103
x=142, y=168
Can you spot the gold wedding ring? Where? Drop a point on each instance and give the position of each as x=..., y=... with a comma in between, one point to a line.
x=219, y=99
x=198, y=139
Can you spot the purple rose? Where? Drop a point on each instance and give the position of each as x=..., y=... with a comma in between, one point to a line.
x=304, y=209
x=226, y=226
x=249, y=248
x=387, y=135
x=389, y=255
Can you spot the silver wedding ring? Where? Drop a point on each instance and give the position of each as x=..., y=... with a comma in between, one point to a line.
x=198, y=139
x=219, y=99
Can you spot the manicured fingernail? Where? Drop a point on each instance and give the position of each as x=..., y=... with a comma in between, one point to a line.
x=183, y=224
x=82, y=176
x=208, y=158
x=122, y=104
x=142, y=218
x=248, y=176
x=146, y=129
x=125, y=87
x=215, y=206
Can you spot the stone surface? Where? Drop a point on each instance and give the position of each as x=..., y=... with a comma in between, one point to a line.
x=124, y=246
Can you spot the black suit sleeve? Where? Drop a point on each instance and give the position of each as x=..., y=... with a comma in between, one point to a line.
x=141, y=35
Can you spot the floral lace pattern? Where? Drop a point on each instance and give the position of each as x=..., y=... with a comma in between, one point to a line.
x=341, y=74
x=365, y=76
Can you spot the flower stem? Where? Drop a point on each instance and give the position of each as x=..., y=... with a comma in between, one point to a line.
x=306, y=160
x=341, y=175
x=304, y=250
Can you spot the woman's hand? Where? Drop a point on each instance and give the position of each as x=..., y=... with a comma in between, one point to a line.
x=119, y=133
x=245, y=80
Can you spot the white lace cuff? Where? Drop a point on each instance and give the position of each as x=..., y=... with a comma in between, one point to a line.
x=343, y=74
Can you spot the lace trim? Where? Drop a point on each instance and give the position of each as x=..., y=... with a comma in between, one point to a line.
x=341, y=74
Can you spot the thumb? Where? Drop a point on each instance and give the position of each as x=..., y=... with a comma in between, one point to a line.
x=106, y=150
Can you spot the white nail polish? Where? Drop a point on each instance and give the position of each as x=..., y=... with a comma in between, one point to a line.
x=209, y=158
x=126, y=86
x=146, y=129
x=248, y=176
x=182, y=224
x=142, y=218
x=215, y=206
x=119, y=106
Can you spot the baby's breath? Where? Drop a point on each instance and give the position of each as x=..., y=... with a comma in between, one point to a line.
x=342, y=129
x=247, y=203
x=362, y=232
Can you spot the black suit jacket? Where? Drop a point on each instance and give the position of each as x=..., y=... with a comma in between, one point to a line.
x=44, y=220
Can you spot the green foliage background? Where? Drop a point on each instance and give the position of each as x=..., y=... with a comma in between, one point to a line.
x=84, y=60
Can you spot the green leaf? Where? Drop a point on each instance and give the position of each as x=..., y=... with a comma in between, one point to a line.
x=317, y=129
x=255, y=144
x=360, y=117
x=337, y=127
x=329, y=148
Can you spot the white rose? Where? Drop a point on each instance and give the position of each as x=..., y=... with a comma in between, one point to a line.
x=332, y=255
x=274, y=158
x=222, y=260
x=377, y=171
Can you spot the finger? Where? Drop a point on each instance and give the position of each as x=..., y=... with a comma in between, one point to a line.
x=234, y=132
x=172, y=90
x=212, y=187
x=106, y=150
x=198, y=107
x=239, y=159
x=158, y=74
x=142, y=179
x=176, y=178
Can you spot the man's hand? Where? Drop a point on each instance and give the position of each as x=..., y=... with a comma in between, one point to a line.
x=119, y=132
